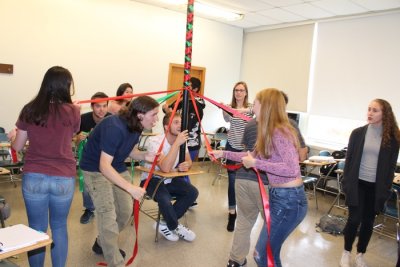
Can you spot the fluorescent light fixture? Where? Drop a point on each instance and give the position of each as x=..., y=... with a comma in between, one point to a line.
x=208, y=10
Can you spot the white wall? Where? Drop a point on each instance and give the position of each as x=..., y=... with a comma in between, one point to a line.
x=279, y=58
x=353, y=61
x=105, y=43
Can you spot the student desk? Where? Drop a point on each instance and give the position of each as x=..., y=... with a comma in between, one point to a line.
x=5, y=255
x=168, y=175
x=311, y=165
x=25, y=249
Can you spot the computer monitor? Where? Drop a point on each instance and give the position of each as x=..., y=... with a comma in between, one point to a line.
x=294, y=116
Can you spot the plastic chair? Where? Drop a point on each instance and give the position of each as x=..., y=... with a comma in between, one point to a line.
x=4, y=211
x=326, y=173
x=390, y=213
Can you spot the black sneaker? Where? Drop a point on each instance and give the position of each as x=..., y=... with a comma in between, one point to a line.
x=194, y=204
x=232, y=263
x=87, y=216
x=99, y=251
x=231, y=222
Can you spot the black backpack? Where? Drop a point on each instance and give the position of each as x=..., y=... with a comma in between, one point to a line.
x=338, y=154
x=215, y=144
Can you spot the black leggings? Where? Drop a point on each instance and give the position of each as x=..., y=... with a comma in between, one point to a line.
x=362, y=215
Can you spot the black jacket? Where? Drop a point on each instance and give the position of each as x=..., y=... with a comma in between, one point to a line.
x=387, y=160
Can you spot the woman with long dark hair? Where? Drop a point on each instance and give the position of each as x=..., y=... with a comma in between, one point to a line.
x=115, y=105
x=368, y=175
x=50, y=121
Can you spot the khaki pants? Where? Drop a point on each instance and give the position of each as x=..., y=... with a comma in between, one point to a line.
x=113, y=207
x=249, y=204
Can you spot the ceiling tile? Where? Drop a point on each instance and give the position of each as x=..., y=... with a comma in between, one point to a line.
x=274, y=12
x=378, y=4
x=281, y=15
x=260, y=19
x=339, y=7
x=308, y=11
x=281, y=3
x=241, y=5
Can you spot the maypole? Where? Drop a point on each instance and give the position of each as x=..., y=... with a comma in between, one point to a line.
x=186, y=77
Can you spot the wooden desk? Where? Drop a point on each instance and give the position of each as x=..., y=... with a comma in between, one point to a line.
x=5, y=145
x=25, y=249
x=169, y=174
x=4, y=171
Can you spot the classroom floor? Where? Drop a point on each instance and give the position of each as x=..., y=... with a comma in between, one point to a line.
x=304, y=247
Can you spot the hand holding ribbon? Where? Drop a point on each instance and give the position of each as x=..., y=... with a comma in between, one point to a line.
x=249, y=161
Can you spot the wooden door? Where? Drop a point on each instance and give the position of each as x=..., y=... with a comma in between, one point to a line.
x=175, y=78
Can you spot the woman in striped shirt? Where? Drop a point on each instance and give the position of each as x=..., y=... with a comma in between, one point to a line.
x=235, y=134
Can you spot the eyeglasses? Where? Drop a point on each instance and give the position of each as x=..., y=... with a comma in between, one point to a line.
x=240, y=90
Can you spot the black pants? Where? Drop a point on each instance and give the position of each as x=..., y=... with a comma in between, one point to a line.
x=184, y=192
x=362, y=215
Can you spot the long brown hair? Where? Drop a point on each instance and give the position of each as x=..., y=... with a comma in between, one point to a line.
x=140, y=105
x=272, y=117
x=389, y=124
x=56, y=89
x=246, y=98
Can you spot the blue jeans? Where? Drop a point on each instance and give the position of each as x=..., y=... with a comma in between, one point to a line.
x=48, y=197
x=231, y=178
x=184, y=193
x=87, y=200
x=288, y=207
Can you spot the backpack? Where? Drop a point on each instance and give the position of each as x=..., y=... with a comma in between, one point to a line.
x=331, y=224
x=215, y=144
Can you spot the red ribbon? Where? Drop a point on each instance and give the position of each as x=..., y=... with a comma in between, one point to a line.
x=96, y=100
x=146, y=183
x=267, y=216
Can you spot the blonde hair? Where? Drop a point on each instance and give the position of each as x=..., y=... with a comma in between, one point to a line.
x=272, y=117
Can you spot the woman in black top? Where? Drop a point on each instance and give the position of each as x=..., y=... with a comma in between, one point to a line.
x=368, y=175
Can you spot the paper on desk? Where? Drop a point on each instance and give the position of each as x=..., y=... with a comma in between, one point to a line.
x=19, y=236
x=322, y=159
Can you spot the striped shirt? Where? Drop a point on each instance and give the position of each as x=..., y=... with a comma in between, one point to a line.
x=236, y=129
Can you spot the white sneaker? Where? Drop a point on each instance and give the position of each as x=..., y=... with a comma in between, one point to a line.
x=360, y=260
x=345, y=261
x=163, y=229
x=185, y=233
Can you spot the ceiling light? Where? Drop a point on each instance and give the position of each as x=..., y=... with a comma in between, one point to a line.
x=209, y=10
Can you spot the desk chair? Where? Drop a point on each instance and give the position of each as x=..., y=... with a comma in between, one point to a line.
x=209, y=137
x=326, y=172
x=309, y=182
x=154, y=212
x=10, y=168
x=218, y=141
x=221, y=169
x=390, y=213
x=4, y=211
x=4, y=145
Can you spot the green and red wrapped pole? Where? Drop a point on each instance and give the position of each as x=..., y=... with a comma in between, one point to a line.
x=187, y=69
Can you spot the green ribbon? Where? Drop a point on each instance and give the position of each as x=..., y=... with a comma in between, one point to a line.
x=166, y=97
x=80, y=173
